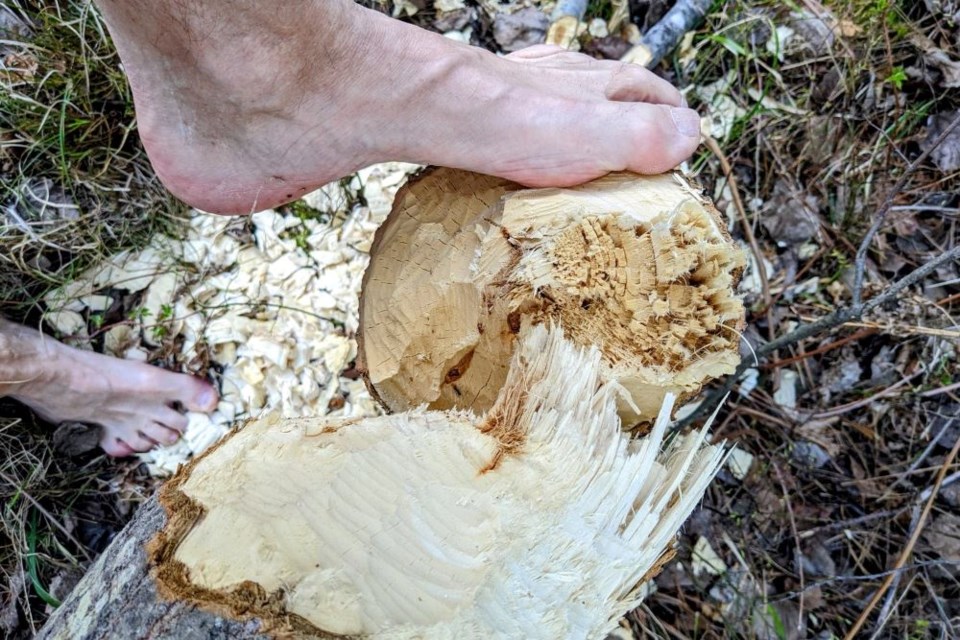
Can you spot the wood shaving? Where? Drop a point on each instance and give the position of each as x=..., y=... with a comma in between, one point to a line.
x=275, y=310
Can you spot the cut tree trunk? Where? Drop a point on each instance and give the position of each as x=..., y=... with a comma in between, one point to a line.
x=540, y=519
x=117, y=598
x=522, y=510
x=641, y=266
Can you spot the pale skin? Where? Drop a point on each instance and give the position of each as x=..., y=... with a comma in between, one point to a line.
x=245, y=105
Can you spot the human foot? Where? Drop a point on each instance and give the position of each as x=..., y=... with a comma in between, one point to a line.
x=247, y=108
x=133, y=402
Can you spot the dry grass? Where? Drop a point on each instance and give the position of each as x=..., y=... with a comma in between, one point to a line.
x=58, y=513
x=75, y=184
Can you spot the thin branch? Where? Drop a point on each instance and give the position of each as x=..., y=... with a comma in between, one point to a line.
x=742, y=212
x=908, y=549
x=831, y=321
x=662, y=37
x=881, y=215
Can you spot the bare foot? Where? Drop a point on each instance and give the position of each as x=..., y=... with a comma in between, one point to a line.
x=133, y=402
x=245, y=106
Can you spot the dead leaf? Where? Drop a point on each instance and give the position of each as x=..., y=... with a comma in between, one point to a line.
x=73, y=438
x=704, y=559
x=9, y=609
x=790, y=215
x=943, y=538
x=778, y=621
x=525, y=28
x=817, y=561
x=947, y=155
x=610, y=47
x=948, y=67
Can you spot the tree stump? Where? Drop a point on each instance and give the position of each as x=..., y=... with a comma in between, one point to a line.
x=641, y=266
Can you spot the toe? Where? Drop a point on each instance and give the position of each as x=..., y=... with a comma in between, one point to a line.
x=160, y=434
x=170, y=419
x=139, y=441
x=653, y=138
x=191, y=392
x=632, y=83
x=114, y=447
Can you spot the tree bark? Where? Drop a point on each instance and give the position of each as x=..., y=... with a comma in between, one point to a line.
x=117, y=598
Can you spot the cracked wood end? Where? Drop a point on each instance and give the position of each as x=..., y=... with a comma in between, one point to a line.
x=641, y=266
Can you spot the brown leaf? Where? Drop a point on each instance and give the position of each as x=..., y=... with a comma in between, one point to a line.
x=947, y=155
x=515, y=31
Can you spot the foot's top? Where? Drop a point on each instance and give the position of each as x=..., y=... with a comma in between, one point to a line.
x=263, y=108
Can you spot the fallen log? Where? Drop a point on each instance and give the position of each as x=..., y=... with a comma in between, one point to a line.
x=541, y=519
x=534, y=516
x=117, y=598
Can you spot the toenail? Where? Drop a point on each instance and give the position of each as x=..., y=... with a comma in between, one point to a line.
x=207, y=397
x=687, y=121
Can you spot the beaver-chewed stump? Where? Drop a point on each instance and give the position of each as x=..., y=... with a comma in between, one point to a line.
x=513, y=505
x=642, y=267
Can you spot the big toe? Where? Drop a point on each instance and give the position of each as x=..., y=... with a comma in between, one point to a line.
x=654, y=138
x=193, y=393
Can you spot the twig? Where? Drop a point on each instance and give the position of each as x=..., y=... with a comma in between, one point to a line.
x=796, y=542
x=830, y=346
x=935, y=392
x=742, y=212
x=908, y=549
x=831, y=321
x=844, y=408
x=843, y=524
x=664, y=36
x=950, y=479
x=916, y=463
x=565, y=21
x=881, y=215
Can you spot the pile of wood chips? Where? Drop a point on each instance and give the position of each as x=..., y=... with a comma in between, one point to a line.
x=273, y=312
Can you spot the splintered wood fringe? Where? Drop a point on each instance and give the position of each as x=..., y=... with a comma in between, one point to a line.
x=539, y=519
x=641, y=266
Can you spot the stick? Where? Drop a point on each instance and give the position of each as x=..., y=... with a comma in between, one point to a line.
x=835, y=319
x=565, y=20
x=907, y=550
x=884, y=209
x=666, y=34
x=714, y=147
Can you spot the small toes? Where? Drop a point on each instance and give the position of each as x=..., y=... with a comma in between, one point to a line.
x=115, y=447
x=171, y=419
x=159, y=434
x=140, y=442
